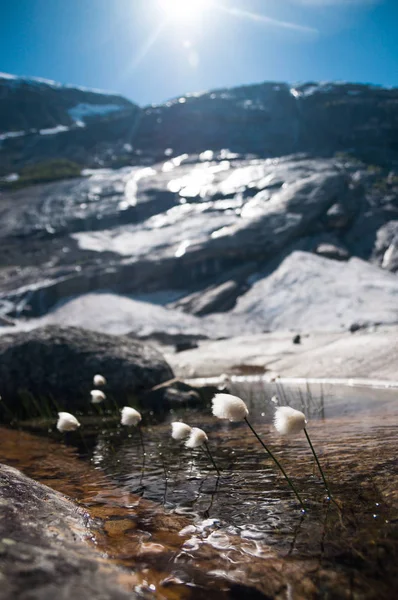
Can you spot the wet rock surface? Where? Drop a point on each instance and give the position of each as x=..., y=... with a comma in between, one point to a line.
x=44, y=552
x=299, y=294
x=54, y=367
x=196, y=231
x=215, y=224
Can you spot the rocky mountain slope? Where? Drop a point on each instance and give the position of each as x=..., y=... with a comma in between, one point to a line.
x=42, y=119
x=274, y=119
x=223, y=231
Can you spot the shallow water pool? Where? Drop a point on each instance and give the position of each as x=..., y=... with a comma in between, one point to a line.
x=187, y=533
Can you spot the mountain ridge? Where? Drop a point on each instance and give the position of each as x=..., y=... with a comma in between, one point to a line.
x=40, y=119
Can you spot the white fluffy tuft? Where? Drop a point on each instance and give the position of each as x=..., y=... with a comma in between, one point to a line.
x=229, y=407
x=289, y=421
x=99, y=380
x=197, y=438
x=180, y=431
x=97, y=396
x=130, y=416
x=67, y=422
x=224, y=382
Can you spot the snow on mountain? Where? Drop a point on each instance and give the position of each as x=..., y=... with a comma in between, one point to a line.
x=11, y=134
x=54, y=130
x=41, y=81
x=83, y=109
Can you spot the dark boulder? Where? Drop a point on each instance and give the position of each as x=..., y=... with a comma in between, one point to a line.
x=54, y=366
x=187, y=345
x=43, y=554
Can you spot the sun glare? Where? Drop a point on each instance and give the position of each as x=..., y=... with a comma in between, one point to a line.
x=183, y=9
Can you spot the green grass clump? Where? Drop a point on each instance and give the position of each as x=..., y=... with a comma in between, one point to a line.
x=42, y=172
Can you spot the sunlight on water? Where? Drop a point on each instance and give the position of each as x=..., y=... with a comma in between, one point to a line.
x=164, y=504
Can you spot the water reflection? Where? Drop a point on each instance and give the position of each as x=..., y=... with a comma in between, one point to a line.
x=238, y=526
x=250, y=496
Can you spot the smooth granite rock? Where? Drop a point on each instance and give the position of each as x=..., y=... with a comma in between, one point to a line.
x=56, y=365
x=311, y=293
x=44, y=550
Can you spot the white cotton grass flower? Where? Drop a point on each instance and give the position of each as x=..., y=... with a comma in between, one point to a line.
x=226, y=406
x=130, y=416
x=180, y=431
x=97, y=396
x=224, y=381
x=67, y=422
x=289, y=421
x=196, y=438
x=99, y=380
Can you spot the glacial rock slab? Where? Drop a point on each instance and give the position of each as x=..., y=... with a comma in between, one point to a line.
x=309, y=293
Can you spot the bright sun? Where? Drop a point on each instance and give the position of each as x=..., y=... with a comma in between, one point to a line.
x=183, y=9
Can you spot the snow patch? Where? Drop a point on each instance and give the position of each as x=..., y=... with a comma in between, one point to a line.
x=10, y=178
x=7, y=76
x=11, y=134
x=54, y=130
x=40, y=81
x=82, y=110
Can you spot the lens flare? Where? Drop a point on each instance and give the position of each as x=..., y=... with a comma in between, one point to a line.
x=183, y=9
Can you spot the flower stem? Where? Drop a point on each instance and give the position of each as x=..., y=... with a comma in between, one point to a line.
x=318, y=463
x=143, y=454
x=276, y=461
x=212, y=459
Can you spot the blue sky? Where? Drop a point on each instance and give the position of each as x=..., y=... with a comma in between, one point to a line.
x=151, y=50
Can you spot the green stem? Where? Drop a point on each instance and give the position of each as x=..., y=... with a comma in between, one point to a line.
x=276, y=461
x=318, y=463
x=212, y=459
x=191, y=461
x=143, y=453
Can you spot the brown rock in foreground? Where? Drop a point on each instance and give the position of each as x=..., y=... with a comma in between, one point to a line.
x=42, y=550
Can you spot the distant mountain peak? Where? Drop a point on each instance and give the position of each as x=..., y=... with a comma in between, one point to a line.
x=41, y=81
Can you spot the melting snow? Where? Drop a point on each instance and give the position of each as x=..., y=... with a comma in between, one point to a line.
x=39, y=81
x=7, y=76
x=54, y=130
x=82, y=110
x=11, y=134
x=10, y=178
